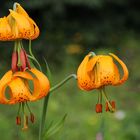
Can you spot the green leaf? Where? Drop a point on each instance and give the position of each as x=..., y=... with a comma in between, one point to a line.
x=54, y=128
x=48, y=70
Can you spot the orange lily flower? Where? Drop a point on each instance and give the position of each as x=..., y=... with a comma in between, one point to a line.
x=18, y=25
x=19, y=89
x=96, y=72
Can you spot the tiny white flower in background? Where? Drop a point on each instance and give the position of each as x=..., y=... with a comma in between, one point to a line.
x=120, y=114
x=99, y=136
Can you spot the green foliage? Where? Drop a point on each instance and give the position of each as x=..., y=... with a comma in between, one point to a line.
x=53, y=128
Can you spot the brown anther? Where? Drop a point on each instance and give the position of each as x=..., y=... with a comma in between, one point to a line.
x=14, y=61
x=18, y=120
x=107, y=107
x=98, y=108
x=113, y=104
x=32, y=118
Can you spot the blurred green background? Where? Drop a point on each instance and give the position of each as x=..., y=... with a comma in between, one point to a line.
x=69, y=30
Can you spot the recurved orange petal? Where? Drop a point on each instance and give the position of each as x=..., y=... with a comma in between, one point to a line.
x=3, y=84
x=28, y=76
x=125, y=70
x=24, y=74
x=42, y=82
x=20, y=93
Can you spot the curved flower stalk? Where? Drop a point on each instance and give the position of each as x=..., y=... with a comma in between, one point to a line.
x=18, y=25
x=96, y=72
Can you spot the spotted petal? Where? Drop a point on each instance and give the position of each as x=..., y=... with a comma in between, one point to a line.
x=84, y=74
x=5, y=30
x=40, y=83
x=34, y=28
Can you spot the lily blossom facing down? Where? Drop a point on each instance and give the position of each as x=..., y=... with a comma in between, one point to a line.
x=98, y=71
x=20, y=90
x=19, y=87
x=18, y=25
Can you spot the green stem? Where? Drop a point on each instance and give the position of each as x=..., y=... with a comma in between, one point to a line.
x=28, y=107
x=45, y=104
x=63, y=82
x=92, y=54
x=30, y=48
x=44, y=112
x=34, y=59
x=14, y=6
x=31, y=56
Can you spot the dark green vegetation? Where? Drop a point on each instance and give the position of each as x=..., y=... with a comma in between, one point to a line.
x=69, y=30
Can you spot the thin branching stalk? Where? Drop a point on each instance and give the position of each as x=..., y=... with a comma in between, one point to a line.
x=63, y=82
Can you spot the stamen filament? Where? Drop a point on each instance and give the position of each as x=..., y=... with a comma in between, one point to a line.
x=31, y=56
x=19, y=109
x=106, y=98
x=25, y=120
x=100, y=97
x=32, y=118
x=28, y=108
